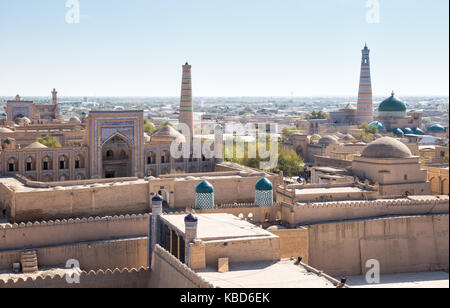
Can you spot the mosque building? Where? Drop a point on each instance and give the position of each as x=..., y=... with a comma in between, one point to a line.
x=392, y=114
x=105, y=144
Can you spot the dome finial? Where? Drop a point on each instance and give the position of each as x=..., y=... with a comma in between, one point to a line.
x=393, y=93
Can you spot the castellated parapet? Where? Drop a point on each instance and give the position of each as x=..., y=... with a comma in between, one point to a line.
x=110, y=278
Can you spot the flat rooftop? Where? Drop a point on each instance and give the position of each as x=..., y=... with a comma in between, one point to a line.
x=279, y=274
x=331, y=190
x=218, y=227
x=404, y=280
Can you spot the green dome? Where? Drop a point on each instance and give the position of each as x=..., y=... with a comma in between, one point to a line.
x=264, y=184
x=392, y=104
x=204, y=188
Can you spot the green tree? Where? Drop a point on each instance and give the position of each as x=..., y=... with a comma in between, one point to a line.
x=49, y=141
x=149, y=128
x=290, y=163
x=317, y=115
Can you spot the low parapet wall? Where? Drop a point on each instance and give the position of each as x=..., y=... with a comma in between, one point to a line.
x=59, y=232
x=295, y=215
x=125, y=278
x=169, y=272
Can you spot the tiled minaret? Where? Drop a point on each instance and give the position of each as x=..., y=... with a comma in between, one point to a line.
x=186, y=104
x=365, y=107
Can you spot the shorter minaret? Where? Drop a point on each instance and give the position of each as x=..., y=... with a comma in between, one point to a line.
x=264, y=193
x=54, y=97
x=190, y=234
x=204, y=196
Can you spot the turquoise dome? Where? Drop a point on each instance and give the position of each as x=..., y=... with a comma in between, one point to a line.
x=264, y=184
x=392, y=104
x=418, y=131
x=436, y=128
x=408, y=130
x=204, y=188
x=398, y=132
x=379, y=125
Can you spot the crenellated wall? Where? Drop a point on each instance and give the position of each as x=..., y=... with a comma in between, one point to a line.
x=303, y=214
x=125, y=278
x=60, y=232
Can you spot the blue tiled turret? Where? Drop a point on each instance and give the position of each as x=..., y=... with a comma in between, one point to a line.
x=264, y=193
x=204, y=196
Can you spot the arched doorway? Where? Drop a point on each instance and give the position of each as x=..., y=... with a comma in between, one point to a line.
x=116, y=157
x=166, y=197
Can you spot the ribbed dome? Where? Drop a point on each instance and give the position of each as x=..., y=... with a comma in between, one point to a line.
x=264, y=185
x=328, y=140
x=75, y=120
x=168, y=132
x=204, y=188
x=398, y=132
x=386, y=147
x=408, y=130
x=436, y=128
x=418, y=131
x=379, y=125
x=392, y=104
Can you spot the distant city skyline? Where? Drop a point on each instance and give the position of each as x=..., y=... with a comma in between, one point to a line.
x=236, y=48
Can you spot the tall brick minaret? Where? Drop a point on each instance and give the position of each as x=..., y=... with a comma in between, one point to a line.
x=186, y=104
x=365, y=104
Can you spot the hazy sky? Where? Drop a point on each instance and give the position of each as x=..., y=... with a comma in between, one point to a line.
x=236, y=47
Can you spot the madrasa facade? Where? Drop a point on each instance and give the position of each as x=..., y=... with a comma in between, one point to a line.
x=105, y=144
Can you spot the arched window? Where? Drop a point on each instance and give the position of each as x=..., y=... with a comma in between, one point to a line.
x=13, y=166
x=165, y=157
x=63, y=162
x=109, y=154
x=79, y=162
x=151, y=158
x=30, y=164
x=47, y=163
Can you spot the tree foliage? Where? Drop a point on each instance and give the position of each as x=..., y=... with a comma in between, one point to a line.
x=50, y=142
x=317, y=115
x=149, y=128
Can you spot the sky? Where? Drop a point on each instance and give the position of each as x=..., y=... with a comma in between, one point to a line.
x=236, y=47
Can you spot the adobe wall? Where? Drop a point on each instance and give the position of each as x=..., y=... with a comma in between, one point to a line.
x=94, y=200
x=334, y=211
x=125, y=278
x=293, y=243
x=331, y=162
x=60, y=232
x=130, y=253
x=6, y=200
x=169, y=272
x=243, y=250
x=400, y=244
x=226, y=190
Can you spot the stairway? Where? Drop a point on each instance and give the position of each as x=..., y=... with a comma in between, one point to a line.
x=29, y=262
